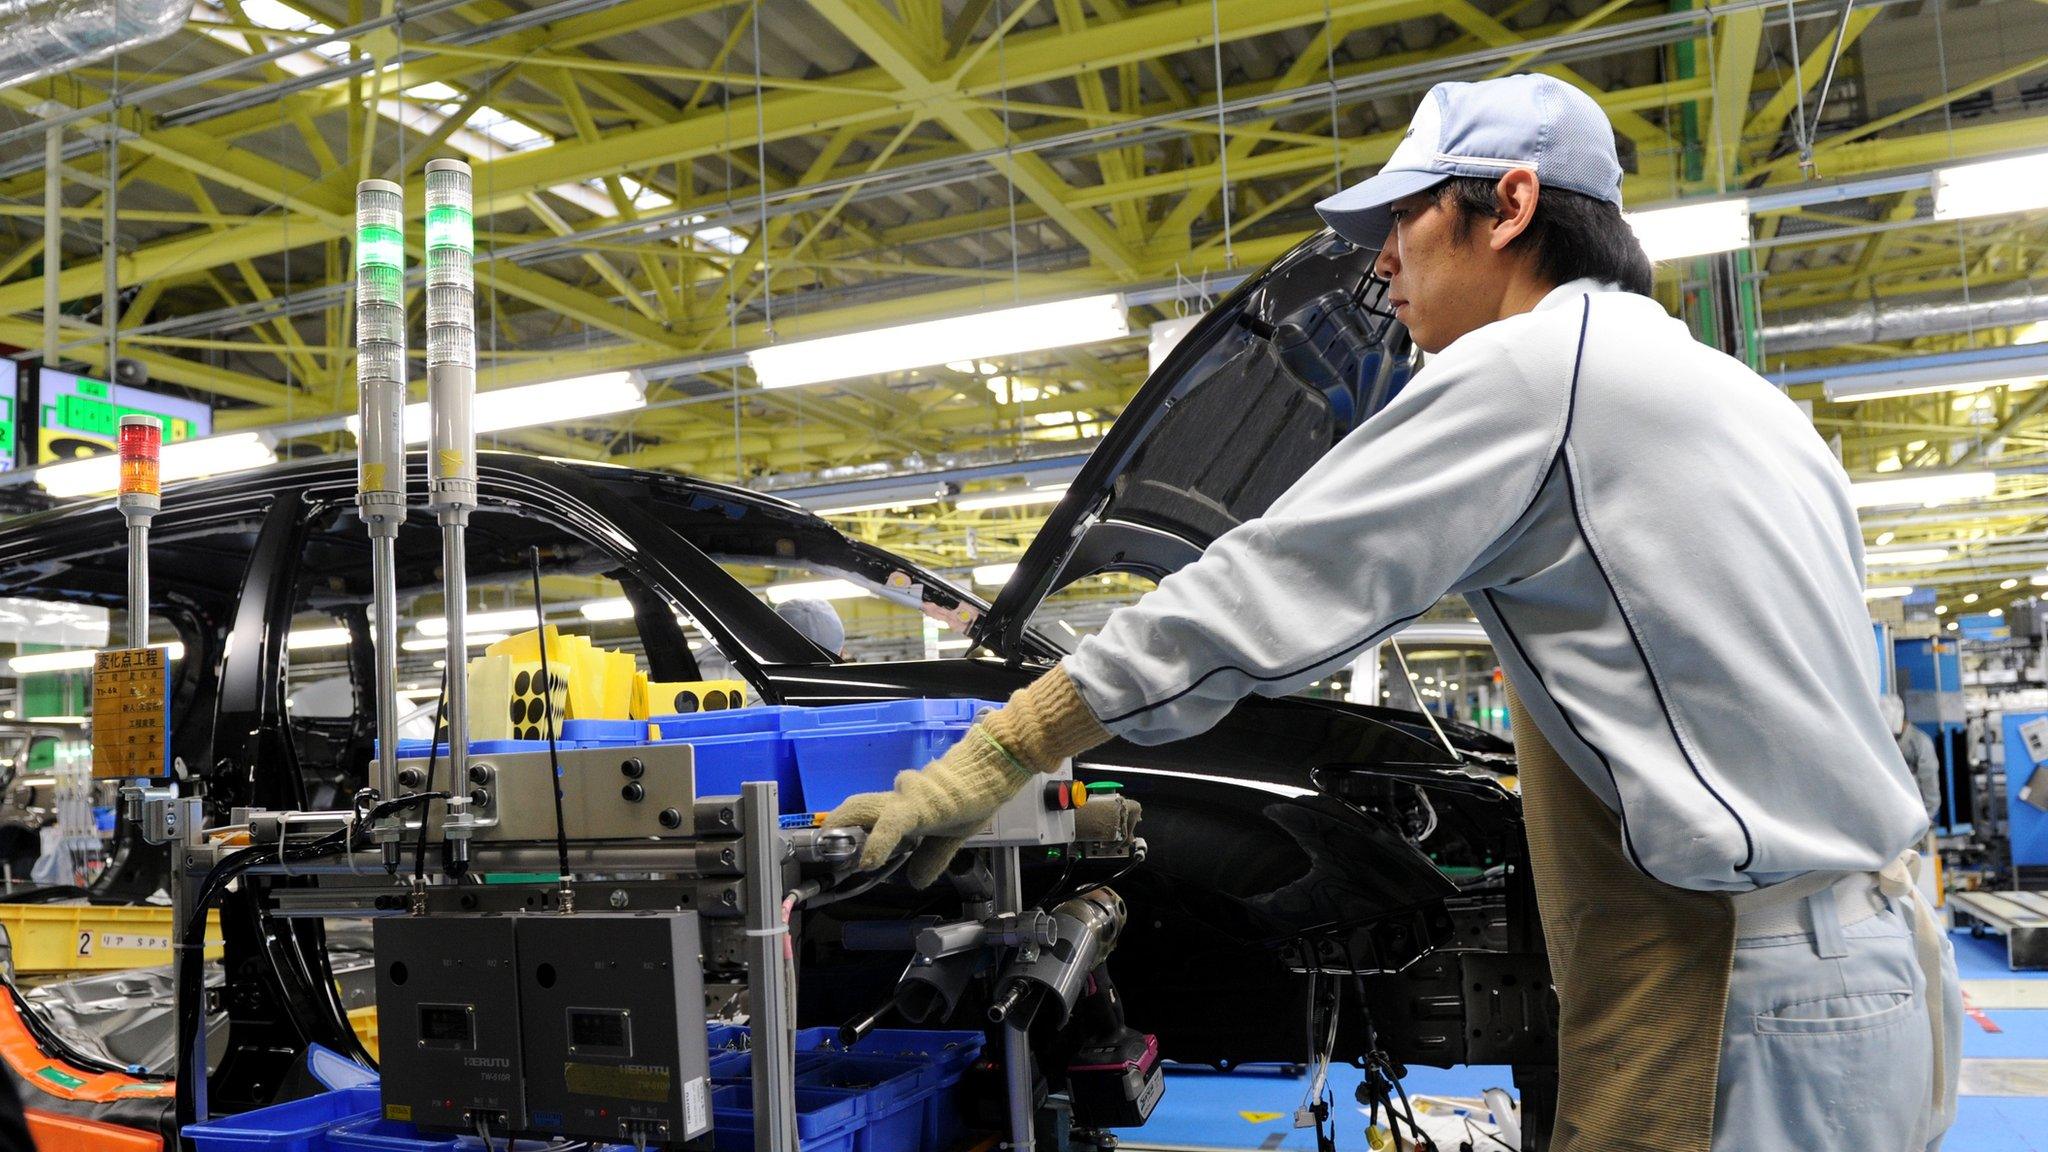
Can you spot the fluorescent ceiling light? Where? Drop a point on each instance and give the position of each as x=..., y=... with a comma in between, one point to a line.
x=2016, y=184
x=1928, y=490
x=616, y=608
x=815, y=590
x=2038, y=581
x=1691, y=229
x=73, y=661
x=1011, y=499
x=2014, y=371
x=878, y=506
x=181, y=461
x=1001, y=332
x=1899, y=556
x=300, y=638
x=1892, y=592
x=504, y=621
x=440, y=643
x=555, y=402
x=994, y=575
x=952, y=645
x=58, y=720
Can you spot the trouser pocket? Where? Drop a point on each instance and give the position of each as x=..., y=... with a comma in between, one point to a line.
x=1826, y=1054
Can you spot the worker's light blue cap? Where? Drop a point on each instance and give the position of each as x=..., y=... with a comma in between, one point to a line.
x=1486, y=129
x=817, y=620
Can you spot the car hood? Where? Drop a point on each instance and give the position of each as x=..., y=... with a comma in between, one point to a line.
x=1265, y=384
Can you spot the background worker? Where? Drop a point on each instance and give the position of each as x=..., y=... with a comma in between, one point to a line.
x=1669, y=563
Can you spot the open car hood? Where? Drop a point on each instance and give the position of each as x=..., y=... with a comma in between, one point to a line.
x=1270, y=380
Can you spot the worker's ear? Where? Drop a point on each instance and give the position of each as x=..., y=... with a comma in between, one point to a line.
x=1515, y=200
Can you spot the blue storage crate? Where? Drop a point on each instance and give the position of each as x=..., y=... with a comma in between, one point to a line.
x=380, y=1135
x=894, y=1091
x=852, y=748
x=726, y=1036
x=605, y=733
x=732, y=722
x=949, y=1051
x=294, y=1126
x=723, y=763
x=826, y=1121
x=947, y=1054
x=732, y=1065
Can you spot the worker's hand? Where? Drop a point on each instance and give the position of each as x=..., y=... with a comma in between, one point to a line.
x=943, y=803
x=953, y=796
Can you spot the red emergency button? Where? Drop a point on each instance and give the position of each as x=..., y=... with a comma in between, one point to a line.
x=1061, y=795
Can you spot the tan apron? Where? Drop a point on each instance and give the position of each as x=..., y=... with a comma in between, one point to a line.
x=1641, y=970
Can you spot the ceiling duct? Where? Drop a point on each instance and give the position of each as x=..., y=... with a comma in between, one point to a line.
x=1883, y=321
x=40, y=38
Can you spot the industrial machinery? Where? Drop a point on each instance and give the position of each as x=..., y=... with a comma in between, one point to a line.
x=554, y=925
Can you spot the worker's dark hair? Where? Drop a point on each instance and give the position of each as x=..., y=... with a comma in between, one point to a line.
x=1574, y=235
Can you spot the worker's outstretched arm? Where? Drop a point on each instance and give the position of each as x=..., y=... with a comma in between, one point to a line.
x=1043, y=724
x=1399, y=513
x=1368, y=539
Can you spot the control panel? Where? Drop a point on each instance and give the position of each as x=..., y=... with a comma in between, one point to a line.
x=448, y=1021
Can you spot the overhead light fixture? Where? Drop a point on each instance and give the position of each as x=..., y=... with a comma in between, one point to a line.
x=616, y=608
x=555, y=402
x=1691, y=229
x=1991, y=187
x=2008, y=584
x=302, y=638
x=994, y=575
x=877, y=506
x=1906, y=556
x=58, y=720
x=1941, y=373
x=1888, y=592
x=77, y=660
x=815, y=590
x=505, y=621
x=1928, y=490
x=440, y=643
x=2038, y=581
x=1002, y=332
x=210, y=456
x=953, y=645
x=1018, y=499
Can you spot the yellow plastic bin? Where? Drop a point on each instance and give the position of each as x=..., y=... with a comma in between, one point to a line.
x=364, y=1021
x=50, y=938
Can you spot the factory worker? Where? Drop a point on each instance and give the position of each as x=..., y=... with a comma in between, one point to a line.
x=1668, y=561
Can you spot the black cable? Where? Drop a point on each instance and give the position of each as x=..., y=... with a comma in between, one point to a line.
x=189, y=973
x=419, y=847
x=547, y=695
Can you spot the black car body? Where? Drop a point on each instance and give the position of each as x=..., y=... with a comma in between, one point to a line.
x=1301, y=845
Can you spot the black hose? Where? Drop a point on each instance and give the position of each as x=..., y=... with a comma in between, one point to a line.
x=419, y=847
x=547, y=696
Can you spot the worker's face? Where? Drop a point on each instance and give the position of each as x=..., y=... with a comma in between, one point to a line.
x=1437, y=271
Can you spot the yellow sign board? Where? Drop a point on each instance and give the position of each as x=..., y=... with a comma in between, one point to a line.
x=130, y=731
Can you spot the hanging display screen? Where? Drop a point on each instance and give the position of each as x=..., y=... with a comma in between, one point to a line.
x=81, y=416
x=10, y=402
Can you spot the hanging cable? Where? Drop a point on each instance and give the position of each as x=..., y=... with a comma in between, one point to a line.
x=761, y=162
x=1330, y=69
x=1222, y=135
x=419, y=848
x=547, y=707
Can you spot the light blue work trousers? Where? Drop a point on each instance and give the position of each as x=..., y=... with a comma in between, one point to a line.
x=1835, y=1030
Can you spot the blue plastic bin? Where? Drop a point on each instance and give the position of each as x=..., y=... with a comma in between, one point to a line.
x=379, y=1135
x=731, y=1065
x=946, y=1053
x=723, y=763
x=893, y=1090
x=826, y=1121
x=294, y=1126
x=854, y=748
x=732, y=722
x=600, y=733
x=726, y=1036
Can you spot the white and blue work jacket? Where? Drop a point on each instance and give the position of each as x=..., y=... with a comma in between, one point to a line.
x=1663, y=551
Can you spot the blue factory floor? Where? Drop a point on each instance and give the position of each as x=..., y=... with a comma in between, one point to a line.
x=2003, y=1106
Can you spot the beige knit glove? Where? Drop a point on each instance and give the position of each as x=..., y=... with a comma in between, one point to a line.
x=946, y=801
